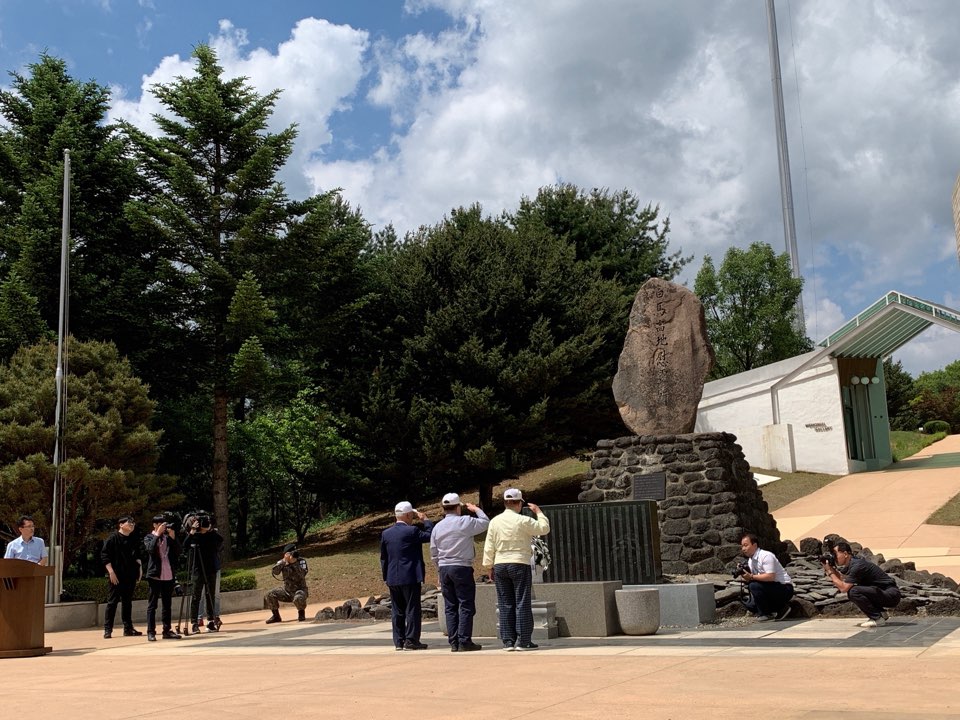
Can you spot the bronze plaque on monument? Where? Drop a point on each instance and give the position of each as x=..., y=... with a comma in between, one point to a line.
x=649, y=487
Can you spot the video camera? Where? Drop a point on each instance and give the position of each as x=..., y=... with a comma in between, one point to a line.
x=827, y=556
x=196, y=520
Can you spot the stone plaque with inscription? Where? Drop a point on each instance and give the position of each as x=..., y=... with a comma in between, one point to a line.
x=649, y=487
x=665, y=360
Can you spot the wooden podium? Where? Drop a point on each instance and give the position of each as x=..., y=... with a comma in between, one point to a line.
x=22, y=586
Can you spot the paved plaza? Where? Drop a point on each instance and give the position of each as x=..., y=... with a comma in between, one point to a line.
x=796, y=669
x=909, y=668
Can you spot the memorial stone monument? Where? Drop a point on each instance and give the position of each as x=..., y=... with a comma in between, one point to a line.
x=707, y=497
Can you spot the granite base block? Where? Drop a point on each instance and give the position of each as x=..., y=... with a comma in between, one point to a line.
x=684, y=604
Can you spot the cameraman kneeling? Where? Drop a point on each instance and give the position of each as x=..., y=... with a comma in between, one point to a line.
x=770, y=586
x=293, y=570
x=866, y=585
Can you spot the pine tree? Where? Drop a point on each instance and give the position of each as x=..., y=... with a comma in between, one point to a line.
x=111, y=449
x=216, y=200
x=114, y=268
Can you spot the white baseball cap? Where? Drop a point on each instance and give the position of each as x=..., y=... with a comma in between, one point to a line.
x=403, y=508
x=513, y=494
x=450, y=500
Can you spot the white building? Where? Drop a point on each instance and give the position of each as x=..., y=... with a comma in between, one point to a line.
x=825, y=411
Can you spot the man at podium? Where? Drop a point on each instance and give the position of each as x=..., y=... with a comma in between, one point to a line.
x=26, y=547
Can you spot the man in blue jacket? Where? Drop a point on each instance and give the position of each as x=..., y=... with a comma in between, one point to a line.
x=401, y=561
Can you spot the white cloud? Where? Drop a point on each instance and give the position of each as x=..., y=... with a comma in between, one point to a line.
x=670, y=100
x=317, y=69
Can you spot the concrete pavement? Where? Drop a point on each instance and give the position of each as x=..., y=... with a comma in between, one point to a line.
x=886, y=510
x=793, y=669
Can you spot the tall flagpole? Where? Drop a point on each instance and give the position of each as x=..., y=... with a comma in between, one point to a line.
x=783, y=156
x=57, y=520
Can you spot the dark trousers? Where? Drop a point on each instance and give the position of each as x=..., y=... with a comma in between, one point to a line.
x=203, y=584
x=769, y=598
x=162, y=591
x=459, y=602
x=872, y=600
x=121, y=594
x=514, y=601
x=405, y=613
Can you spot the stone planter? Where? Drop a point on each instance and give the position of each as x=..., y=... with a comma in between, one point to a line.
x=639, y=611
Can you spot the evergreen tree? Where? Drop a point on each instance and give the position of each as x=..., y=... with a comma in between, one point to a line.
x=114, y=269
x=609, y=231
x=215, y=199
x=900, y=391
x=750, y=306
x=494, y=354
x=111, y=450
x=20, y=321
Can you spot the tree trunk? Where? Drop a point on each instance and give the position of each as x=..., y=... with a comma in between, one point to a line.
x=241, y=488
x=221, y=489
x=485, y=495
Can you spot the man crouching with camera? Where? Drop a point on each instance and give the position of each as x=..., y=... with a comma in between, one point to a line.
x=769, y=584
x=293, y=570
x=866, y=585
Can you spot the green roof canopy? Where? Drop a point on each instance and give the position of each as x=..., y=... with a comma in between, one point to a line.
x=891, y=322
x=877, y=332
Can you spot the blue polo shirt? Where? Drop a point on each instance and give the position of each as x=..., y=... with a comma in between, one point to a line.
x=33, y=550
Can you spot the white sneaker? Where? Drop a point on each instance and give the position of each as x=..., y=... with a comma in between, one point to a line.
x=766, y=618
x=873, y=623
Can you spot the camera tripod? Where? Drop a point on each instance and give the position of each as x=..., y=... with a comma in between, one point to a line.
x=193, y=559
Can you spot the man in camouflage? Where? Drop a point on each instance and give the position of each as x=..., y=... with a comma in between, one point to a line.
x=293, y=569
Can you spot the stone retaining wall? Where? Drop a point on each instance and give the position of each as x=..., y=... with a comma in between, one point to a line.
x=711, y=496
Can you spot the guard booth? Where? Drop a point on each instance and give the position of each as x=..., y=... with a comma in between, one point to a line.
x=22, y=586
x=824, y=411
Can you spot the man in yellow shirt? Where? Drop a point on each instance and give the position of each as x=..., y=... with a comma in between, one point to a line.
x=507, y=551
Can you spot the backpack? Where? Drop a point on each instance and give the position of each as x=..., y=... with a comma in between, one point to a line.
x=541, y=553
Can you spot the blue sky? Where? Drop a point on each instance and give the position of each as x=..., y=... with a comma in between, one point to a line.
x=417, y=107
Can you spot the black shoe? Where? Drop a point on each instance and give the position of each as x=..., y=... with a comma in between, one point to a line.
x=107, y=634
x=454, y=648
x=170, y=635
x=412, y=645
x=212, y=627
x=275, y=618
x=527, y=646
x=470, y=646
x=131, y=632
x=152, y=637
x=301, y=615
x=195, y=628
x=785, y=613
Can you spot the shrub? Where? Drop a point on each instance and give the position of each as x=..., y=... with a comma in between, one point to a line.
x=231, y=580
x=78, y=589
x=936, y=426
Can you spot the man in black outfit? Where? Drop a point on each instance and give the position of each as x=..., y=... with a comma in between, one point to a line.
x=866, y=585
x=162, y=552
x=121, y=556
x=205, y=544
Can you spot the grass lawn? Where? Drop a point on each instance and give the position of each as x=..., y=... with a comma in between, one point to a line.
x=949, y=514
x=905, y=443
x=791, y=486
x=344, y=558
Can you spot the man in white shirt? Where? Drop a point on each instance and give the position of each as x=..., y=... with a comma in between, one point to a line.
x=27, y=547
x=452, y=551
x=507, y=551
x=770, y=586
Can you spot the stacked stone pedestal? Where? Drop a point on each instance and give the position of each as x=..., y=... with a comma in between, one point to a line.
x=711, y=496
